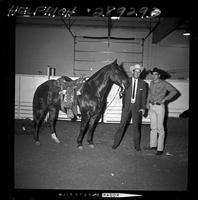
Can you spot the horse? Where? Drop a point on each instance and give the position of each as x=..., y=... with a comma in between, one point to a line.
x=47, y=99
x=92, y=100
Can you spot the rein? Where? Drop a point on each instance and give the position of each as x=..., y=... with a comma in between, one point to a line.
x=113, y=98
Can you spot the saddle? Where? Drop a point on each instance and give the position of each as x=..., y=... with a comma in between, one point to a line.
x=68, y=95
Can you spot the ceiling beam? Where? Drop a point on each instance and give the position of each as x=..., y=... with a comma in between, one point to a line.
x=166, y=26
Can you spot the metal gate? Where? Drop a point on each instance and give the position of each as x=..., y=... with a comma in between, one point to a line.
x=92, y=53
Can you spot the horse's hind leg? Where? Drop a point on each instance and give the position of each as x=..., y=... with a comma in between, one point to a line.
x=84, y=123
x=38, y=118
x=53, y=115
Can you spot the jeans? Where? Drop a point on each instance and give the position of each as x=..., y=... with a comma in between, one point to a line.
x=157, y=134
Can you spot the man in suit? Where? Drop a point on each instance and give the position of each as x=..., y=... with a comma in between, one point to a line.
x=134, y=103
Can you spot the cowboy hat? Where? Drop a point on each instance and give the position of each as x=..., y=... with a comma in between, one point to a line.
x=136, y=67
x=163, y=74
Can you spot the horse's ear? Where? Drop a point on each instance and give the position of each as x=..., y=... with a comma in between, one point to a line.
x=122, y=64
x=115, y=61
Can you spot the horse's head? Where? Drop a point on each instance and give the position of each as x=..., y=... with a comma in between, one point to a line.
x=119, y=76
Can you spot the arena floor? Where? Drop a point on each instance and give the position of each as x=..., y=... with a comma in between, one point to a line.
x=63, y=166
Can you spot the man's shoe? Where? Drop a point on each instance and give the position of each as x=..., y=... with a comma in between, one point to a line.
x=159, y=153
x=137, y=148
x=114, y=146
x=150, y=148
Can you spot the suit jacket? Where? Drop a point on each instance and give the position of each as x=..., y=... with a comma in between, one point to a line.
x=141, y=95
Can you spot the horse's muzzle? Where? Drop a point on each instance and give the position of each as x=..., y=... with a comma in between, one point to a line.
x=123, y=87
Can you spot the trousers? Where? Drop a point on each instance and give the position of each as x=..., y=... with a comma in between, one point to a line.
x=157, y=133
x=127, y=112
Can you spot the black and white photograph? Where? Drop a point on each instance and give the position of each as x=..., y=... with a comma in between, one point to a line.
x=101, y=98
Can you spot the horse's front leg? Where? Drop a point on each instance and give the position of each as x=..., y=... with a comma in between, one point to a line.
x=83, y=126
x=36, y=133
x=53, y=115
x=91, y=130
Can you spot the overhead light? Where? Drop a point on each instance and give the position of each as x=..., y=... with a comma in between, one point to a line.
x=26, y=16
x=88, y=10
x=186, y=33
x=114, y=18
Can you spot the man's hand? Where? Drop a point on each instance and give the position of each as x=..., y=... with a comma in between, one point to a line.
x=161, y=102
x=121, y=93
x=148, y=106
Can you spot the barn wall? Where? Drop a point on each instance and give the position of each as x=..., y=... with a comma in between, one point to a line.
x=38, y=46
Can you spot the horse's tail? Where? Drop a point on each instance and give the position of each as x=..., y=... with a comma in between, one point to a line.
x=39, y=105
x=35, y=106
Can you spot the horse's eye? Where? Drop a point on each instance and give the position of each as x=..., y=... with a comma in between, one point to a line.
x=118, y=70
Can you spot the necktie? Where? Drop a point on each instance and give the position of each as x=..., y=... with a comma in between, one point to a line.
x=134, y=85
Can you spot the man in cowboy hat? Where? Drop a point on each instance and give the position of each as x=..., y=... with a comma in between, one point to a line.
x=134, y=103
x=157, y=96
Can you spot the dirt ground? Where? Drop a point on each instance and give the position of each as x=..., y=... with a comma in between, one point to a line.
x=63, y=166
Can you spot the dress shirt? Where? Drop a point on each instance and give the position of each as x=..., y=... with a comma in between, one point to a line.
x=158, y=90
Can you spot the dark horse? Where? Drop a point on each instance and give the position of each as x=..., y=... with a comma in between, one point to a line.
x=46, y=99
x=91, y=100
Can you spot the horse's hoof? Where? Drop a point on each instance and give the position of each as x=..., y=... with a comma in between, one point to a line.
x=37, y=143
x=80, y=147
x=91, y=146
x=114, y=147
x=55, y=139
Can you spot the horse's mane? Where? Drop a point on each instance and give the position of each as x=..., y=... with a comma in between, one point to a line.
x=100, y=71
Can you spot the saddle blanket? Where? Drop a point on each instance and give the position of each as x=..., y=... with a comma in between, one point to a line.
x=68, y=98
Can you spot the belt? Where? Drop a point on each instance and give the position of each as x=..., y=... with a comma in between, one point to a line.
x=155, y=103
